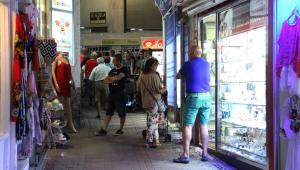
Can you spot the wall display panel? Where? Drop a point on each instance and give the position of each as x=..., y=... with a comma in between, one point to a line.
x=4, y=70
x=242, y=44
x=63, y=33
x=171, y=59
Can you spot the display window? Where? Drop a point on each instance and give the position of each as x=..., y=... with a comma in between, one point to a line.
x=208, y=44
x=242, y=40
x=234, y=42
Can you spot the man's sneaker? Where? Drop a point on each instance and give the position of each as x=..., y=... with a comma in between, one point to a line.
x=118, y=132
x=204, y=158
x=100, y=132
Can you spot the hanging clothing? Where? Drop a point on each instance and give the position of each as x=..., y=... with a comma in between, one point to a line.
x=289, y=81
x=33, y=14
x=22, y=124
x=288, y=47
x=63, y=78
x=291, y=126
x=35, y=56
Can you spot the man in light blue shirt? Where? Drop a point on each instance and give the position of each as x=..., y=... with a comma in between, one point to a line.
x=99, y=73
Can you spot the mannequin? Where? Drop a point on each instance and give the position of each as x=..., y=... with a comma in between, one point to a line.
x=63, y=81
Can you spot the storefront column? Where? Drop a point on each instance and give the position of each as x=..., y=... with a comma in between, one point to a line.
x=8, y=150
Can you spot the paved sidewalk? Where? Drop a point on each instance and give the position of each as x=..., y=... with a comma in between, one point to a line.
x=125, y=152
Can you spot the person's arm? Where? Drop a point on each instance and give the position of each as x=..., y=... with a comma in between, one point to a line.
x=108, y=80
x=179, y=76
x=120, y=75
x=182, y=72
x=117, y=77
x=73, y=82
x=92, y=75
x=53, y=69
x=138, y=83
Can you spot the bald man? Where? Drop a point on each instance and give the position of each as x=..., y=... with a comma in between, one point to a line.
x=196, y=73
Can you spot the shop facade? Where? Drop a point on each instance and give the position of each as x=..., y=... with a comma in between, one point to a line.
x=24, y=24
x=242, y=41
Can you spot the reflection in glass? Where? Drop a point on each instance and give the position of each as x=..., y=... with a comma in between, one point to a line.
x=208, y=39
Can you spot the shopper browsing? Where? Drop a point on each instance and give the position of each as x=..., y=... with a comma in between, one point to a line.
x=151, y=89
x=116, y=98
x=98, y=75
x=89, y=66
x=196, y=73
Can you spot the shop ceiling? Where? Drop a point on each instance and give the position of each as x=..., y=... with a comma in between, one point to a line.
x=191, y=7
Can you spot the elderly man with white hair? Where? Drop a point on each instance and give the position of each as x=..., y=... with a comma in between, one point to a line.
x=99, y=73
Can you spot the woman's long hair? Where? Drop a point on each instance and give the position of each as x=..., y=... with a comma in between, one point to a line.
x=149, y=64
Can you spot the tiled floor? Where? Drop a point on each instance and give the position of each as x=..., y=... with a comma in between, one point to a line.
x=88, y=152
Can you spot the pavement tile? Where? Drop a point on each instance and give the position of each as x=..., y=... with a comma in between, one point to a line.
x=125, y=152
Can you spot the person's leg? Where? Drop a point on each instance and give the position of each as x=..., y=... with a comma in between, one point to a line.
x=190, y=111
x=204, y=114
x=120, y=102
x=69, y=114
x=204, y=138
x=106, y=122
x=98, y=98
x=110, y=111
x=187, y=136
x=152, y=126
x=98, y=106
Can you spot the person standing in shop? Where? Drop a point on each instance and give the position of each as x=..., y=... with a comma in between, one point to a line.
x=99, y=73
x=116, y=98
x=89, y=66
x=63, y=81
x=151, y=88
x=196, y=73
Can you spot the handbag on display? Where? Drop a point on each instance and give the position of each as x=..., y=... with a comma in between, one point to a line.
x=47, y=49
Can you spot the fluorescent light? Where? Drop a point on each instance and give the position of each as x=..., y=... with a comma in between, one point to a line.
x=140, y=29
x=132, y=29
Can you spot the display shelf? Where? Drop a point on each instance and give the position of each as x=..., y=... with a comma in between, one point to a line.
x=245, y=149
x=254, y=59
x=250, y=155
x=241, y=82
x=242, y=103
x=248, y=124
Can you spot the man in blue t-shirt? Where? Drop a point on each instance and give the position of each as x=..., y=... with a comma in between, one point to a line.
x=196, y=73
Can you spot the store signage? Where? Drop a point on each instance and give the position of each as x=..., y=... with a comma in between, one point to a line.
x=152, y=44
x=120, y=42
x=66, y=5
x=62, y=32
x=98, y=18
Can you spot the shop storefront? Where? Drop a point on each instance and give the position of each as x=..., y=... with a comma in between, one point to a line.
x=156, y=45
x=236, y=39
x=25, y=56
